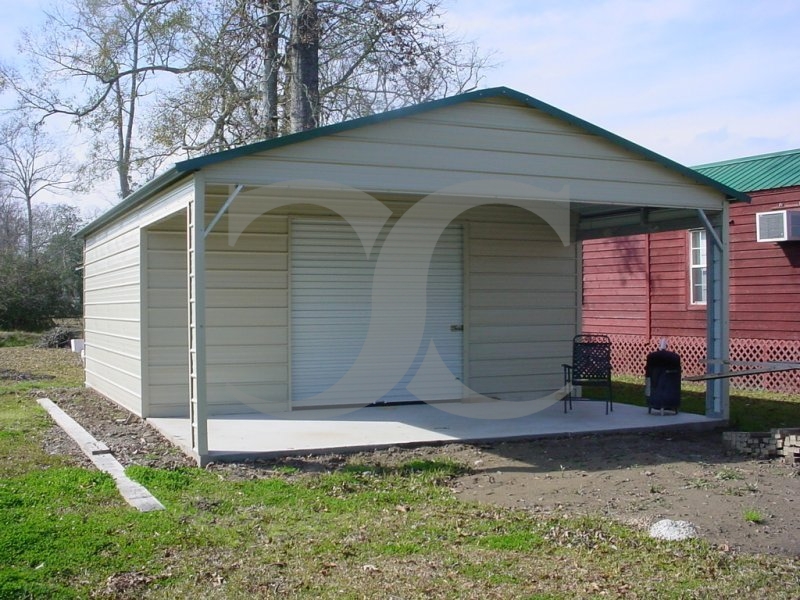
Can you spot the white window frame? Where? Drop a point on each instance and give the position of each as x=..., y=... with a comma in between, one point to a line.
x=698, y=266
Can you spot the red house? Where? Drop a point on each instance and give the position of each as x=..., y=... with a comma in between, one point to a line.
x=640, y=288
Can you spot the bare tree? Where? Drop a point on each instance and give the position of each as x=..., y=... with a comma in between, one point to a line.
x=371, y=56
x=221, y=100
x=30, y=165
x=96, y=61
x=385, y=54
x=156, y=79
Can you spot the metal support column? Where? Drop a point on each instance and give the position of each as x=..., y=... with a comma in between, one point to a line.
x=717, y=311
x=196, y=244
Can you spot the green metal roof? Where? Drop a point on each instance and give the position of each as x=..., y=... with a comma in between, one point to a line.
x=183, y=168
x=752, y=173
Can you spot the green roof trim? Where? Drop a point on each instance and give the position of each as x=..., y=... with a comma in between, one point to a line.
x=185, y=167
x=153, y=186
x=761, y=172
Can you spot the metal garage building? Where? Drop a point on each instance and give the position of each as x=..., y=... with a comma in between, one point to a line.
x=253, y=280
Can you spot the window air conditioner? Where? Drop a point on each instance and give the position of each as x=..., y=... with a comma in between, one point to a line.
x=778, y=226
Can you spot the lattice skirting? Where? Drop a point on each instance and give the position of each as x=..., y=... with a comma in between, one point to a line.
x=628, y=353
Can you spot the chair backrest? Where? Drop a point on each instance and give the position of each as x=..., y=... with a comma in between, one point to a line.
x=591, y=357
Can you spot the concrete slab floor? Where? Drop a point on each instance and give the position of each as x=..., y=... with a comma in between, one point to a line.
x=321, y=431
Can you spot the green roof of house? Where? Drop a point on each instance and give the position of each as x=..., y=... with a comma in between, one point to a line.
x=185, y=168
x=752, y=173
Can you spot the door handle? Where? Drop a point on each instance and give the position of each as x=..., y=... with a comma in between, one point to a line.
x=458, y=327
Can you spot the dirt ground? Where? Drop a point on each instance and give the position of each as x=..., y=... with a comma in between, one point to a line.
x=633, y=478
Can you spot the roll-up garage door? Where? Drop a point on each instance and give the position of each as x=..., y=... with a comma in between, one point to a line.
x=331, y=298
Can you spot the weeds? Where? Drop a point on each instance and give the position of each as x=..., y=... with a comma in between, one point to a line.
x=728, y=475
x=698, y=483
x=752, y=515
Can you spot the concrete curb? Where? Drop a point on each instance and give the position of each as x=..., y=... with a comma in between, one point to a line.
x=134, y=493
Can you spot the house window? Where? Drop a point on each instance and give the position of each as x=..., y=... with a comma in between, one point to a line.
x=697, y=266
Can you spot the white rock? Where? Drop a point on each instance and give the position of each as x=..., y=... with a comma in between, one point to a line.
x=667, y=529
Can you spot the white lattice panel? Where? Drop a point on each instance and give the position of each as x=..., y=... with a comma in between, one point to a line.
x=629, y=353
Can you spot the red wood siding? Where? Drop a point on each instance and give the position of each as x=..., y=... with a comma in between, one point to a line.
x=615, y=286
x=765, y=276
x=765, y=280
x=672, y=312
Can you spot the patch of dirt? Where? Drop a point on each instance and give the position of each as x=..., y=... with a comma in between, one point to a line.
x=641, y=478
x=635, y=478
x=131, y=440
x=126, y=585
x=12, y=375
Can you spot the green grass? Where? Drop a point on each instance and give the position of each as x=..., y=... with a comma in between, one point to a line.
x=66, y=534
x=750, y=411
x=14, y=339
x=360, y=531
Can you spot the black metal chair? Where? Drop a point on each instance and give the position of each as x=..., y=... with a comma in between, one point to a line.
x=591, y=366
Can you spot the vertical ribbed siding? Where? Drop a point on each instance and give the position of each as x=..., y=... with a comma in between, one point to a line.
x=331, y=306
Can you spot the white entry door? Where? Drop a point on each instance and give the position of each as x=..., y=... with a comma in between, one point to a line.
x=331, y=297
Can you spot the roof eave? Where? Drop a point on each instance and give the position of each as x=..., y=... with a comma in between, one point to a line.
x=152, y=187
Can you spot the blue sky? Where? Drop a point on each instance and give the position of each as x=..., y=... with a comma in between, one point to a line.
x=695, y=80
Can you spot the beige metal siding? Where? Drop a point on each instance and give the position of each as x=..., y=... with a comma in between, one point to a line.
x=111, y=312
x=247, y=317
x=522, y=307
x=496, y=139
x=167, y=366
x=112, y=300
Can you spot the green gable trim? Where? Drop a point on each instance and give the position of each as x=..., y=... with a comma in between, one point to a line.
x=761, y=172
x=497, y=92
x=184, y=168
x=151, y=188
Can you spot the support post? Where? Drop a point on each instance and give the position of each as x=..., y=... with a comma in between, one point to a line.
x=198, y=410
x=717, y=311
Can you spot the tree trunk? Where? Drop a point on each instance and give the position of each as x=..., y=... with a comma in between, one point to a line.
x=271, y=66
x=123, y=157
x=304, y=51
x=29, y=226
